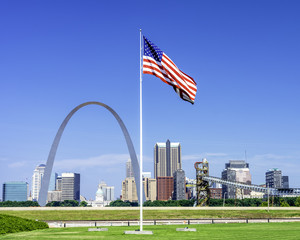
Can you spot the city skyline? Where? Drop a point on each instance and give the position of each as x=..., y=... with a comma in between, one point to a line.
x=244, y=56
x=234, y=165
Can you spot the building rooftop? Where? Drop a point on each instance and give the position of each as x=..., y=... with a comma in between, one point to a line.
x=172, y=144
x=273, y=169
x=15, y=182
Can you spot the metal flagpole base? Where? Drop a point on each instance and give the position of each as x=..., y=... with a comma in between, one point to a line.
x=139, y=232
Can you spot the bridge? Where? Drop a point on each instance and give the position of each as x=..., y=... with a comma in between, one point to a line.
x=272, y=191
x=203, y=182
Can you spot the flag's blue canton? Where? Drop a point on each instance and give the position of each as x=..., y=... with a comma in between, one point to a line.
x=151, y=50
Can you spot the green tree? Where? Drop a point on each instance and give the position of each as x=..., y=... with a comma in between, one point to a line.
x=70, y=203
x=264, y=204
x=283, y=203
x=119, y=203
x=291, y=200
x=54, y=204
x=83, y=204
x=19, y=204
x=297, y=202
x=185, y=203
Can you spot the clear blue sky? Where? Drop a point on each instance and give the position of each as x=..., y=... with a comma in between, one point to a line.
x=55, y=55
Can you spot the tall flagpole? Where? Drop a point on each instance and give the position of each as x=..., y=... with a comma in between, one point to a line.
x=141, y=138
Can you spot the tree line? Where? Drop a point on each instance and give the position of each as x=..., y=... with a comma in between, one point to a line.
x=65, y=203
x=247, y=202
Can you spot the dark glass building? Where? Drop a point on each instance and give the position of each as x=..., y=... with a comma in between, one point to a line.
x=179, y=185
x=274, y=178
x=15, y=191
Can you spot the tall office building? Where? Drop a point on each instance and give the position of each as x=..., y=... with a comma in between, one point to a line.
x=70, y=186
x=179, y=185
x=129, y=169
x=150, y=188
x=38, y=174
x=236, y=171
x=167, y=159
x=285, y=181
x=52, y=182
x=102, y=185
x=58, y=183
x=129, y=189
x=274, y=178
x=110, y=193
x=165, y=187
x=15, y=191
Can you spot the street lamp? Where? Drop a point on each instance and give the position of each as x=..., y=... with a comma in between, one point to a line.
x=224, y=198
x=268, y=198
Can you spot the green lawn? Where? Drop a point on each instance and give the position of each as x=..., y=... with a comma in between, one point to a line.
x=206, y=231
x=61, y=215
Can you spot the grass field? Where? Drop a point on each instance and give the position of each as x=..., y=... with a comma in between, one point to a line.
x=213, y=231
x=61, y=215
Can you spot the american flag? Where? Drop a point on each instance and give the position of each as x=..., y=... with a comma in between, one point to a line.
x=157, y=63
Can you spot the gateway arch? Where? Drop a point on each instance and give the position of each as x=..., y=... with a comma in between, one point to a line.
x=49, y=165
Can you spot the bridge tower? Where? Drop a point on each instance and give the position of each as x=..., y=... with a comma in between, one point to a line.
x=202, y=186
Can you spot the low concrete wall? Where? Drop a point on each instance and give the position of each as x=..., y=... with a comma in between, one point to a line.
x=61, y=224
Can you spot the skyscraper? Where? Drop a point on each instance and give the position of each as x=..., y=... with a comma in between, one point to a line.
x=15, y=191
x=129, y=169
x=236, y=171
x=274, y=178
x=52, y=183
x=102, y=185
x=38, y=174
x=58, y=183
x=179, y=185
x=70, y=186
x=167, y=159
x=110, y=193
x=129, y=189
x=150, y=188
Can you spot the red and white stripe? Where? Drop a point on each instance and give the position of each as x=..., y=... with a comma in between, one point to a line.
x=169, y=73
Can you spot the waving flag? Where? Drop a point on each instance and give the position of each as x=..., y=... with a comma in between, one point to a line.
x=157, y=63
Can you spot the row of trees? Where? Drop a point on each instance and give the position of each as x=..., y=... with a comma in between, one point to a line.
x=156, y=203
x=257, y=202
x=247, y=202
x=170, y=203
x=67, y=203
x=19, y=204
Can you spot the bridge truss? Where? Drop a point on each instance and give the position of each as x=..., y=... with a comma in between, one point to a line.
x=272, y=191
x=203, y=182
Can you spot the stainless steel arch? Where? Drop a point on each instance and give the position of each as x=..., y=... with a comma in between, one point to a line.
x=49, y=165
